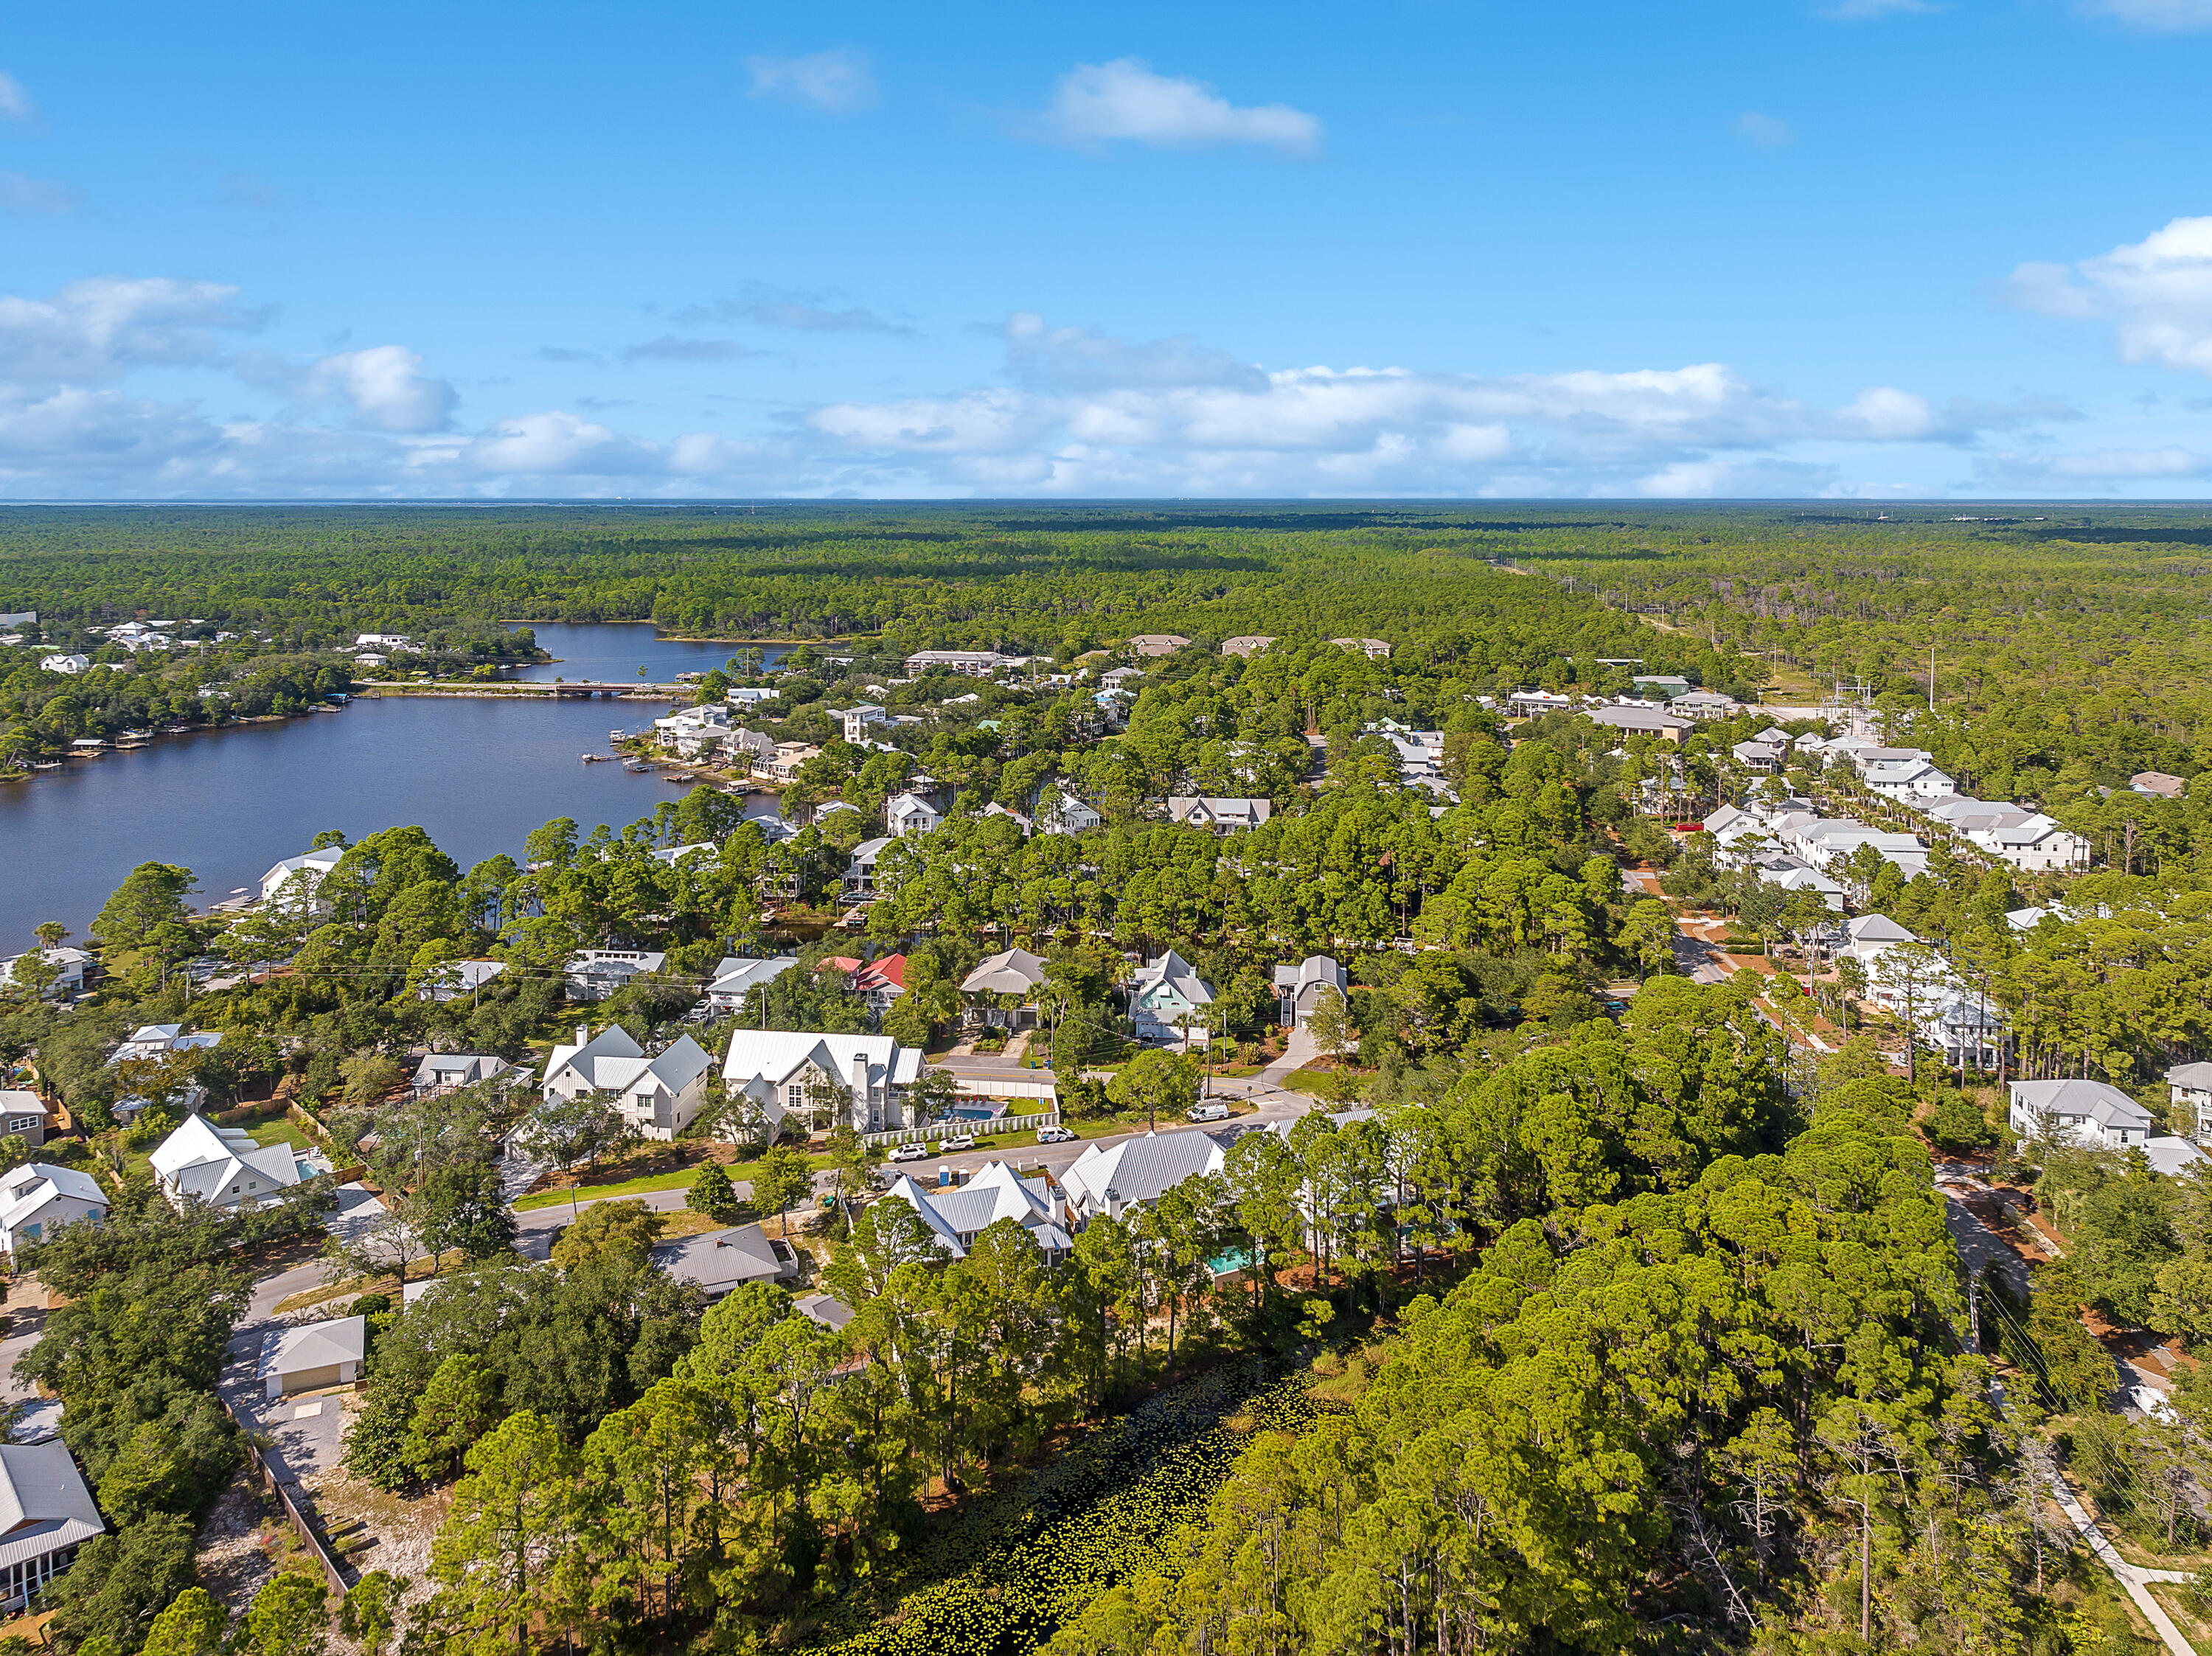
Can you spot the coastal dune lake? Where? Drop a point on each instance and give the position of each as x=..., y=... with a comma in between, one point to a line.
x=476, y=774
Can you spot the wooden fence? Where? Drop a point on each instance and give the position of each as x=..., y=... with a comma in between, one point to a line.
x=333, y=1576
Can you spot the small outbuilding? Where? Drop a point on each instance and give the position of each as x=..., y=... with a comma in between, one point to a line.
x=312, y=1355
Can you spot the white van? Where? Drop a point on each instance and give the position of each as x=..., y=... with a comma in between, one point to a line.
x=1209, y=1112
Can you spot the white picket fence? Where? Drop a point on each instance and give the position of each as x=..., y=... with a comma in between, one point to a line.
x=1003, y=1124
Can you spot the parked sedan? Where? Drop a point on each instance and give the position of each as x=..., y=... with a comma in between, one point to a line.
x=965, y=1141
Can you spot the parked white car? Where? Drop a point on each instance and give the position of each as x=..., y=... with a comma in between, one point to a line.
x=911, y=1153
x=965, y=1141
x=1055, y=1135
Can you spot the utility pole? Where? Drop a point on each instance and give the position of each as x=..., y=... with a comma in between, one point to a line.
x=1932, y=678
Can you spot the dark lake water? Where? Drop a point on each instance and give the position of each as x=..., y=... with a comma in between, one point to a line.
x=606, y=652
x=476, y=774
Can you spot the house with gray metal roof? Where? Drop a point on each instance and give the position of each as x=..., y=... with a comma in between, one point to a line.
x=1112, y=1179
x=46, y=1514
x=1298, y=988
x=37, y=1199
x=2088, y=1112
x=957, y=1215
x=309, y=1357
x=658, y=1095
x=1166, y=994
x=718, y=1261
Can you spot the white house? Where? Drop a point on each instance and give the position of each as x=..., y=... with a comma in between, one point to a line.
x=750, y=696
x=1133, y=1172
x=909, y=814
x=154, y=1040
x=308, y=869
x=784, y=1070
x=1872, y=936
x=694, y=731
x=48, y=1514
x=861, y=872
x=976, y=663
x=382, y=641
x=1027, y=825
x=2192, y=1085
x=957, y=1215
x=737, y=977
x=1162, y=993
x=311, y=1357
x=1298, y=988
x=458, y=978
x=659, y=1096
x=73, y=964
x=1011, y=971
x=2088, y=1112
x=69, y=664
x=595, y=974
x=1219, y=815
x=1060, y=812
x=222, y=1167
x=36, y=1200
x=855, y=721
x=446, y=1072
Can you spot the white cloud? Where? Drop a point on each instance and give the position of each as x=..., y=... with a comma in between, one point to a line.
x=1096, y=104
x=1765, y=130
x=2104, y=468
x=1076, y=412
x=2157, y=292
x=835, y=83
x=2153, y=16
x=385, y=389
x=16, y=103
x=25, y=195
x=95, y=332
x=1092, y=414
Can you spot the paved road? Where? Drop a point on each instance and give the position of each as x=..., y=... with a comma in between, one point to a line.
x=2135, y=1578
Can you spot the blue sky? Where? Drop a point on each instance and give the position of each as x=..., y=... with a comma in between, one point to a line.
x=1410, y=247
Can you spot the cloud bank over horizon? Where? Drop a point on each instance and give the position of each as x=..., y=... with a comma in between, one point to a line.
x=107, y=387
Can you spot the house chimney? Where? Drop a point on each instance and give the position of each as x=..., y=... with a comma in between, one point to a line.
x=583, y=1035
x=863, y=1107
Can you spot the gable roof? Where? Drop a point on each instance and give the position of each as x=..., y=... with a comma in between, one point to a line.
x=1314, y=969
x=598, y=1060
x=2107, y=1106
x=720, y=1260
x=43, y=1504
x=1878, y=928
x=2197, y=1075
x=996, y=1192
x=1015, y=972
x=313, y=1346
x=1172, y=974
x=776, y=1055
x=25, y=1189
x=1137, y=1169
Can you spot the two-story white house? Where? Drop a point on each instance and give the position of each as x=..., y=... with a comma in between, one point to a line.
x=298, y=877
x=659, y=1096
x=1219, y=815
x=36, y=1200
x=71, y=966
x=1061, y=812
x=595, y=974
x=1133, y=1173
x=222, y=1167
x=957, y=1215
x=2191, y=1084
x=2088, y=1112
x=738, y=977
x=69, y=665
x=908, y=814
x=788, y=1073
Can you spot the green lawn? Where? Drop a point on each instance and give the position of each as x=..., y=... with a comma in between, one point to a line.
x=282, y=1131
x=680, y=1179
